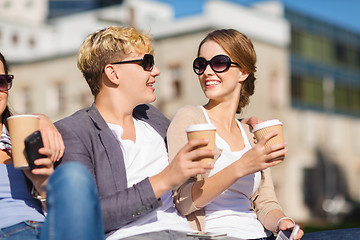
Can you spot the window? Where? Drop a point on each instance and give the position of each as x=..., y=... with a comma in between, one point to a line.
x=306, y=46
x=29, y=4
x=60, y=89
x=347, y=98
x=170, y=83
x=296, y=90
x=295, y=41
x=25, y=100
x=56, y=98
x=176, y=79
x=15, y=39
x=32, y=42
x=312, y=91
x=7, y=4
x=340, y=53
x=307, y=90
x=355, y=99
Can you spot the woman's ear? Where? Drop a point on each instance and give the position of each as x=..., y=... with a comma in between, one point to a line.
x=111, y=74
x=243, y=76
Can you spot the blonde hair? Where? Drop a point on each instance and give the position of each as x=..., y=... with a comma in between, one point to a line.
x=109, y=45
x=241, y=50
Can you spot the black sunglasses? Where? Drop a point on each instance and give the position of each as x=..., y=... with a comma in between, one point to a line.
x=6, y=81
x=147, y=62
x=219, y=64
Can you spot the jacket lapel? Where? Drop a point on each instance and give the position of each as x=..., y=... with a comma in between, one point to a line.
x=112, y=148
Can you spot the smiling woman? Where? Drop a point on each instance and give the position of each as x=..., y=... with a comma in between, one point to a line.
x=237, y=197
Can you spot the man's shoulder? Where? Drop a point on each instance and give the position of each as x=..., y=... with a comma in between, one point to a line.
x=78, y=120
x=77, y=116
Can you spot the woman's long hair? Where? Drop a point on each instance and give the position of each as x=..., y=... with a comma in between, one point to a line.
x=7, y=112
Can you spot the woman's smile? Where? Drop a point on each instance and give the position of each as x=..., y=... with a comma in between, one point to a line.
x=212, y=83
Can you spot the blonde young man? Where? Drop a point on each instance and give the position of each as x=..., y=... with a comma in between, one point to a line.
x=121, y=139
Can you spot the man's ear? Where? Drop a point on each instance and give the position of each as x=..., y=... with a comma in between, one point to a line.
x=111, y=74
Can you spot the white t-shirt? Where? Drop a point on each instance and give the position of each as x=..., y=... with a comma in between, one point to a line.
x=144, y=158
x=231, y=212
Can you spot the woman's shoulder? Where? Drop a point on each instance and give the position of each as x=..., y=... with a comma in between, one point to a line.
x=190, y=110
x=188, y=115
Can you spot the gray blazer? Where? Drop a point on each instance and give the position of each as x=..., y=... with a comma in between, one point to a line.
x=89, y=140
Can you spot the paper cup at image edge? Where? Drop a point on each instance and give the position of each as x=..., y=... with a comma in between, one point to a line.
x=23, y=115
x=21, y=126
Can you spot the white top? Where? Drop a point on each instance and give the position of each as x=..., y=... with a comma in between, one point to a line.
x=141, y=161
x=231, y=212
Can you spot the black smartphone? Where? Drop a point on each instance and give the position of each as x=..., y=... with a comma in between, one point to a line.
x=32, y=145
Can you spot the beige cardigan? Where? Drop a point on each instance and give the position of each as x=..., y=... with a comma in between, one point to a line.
x=264, y=199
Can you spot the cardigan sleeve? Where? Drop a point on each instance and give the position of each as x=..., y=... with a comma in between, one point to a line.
x=176, y=139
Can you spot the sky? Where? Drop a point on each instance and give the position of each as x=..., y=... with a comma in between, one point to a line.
x=343, y=13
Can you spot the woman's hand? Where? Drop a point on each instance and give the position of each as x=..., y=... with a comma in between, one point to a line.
x=40, y=176
x=51, y=138
x=287, y=224
x=260, y=157
x=275, y=220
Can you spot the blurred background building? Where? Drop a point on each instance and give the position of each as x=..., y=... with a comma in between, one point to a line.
x=308, y=76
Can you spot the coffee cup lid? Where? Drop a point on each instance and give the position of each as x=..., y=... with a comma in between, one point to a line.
x=200, y=127
x=23, y=115
x=266, y=124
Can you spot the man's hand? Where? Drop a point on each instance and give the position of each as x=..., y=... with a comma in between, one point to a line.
x=186, y=164
x=252, y=121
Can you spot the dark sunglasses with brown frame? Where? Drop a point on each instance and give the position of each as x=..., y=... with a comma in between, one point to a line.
x=6, y=81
